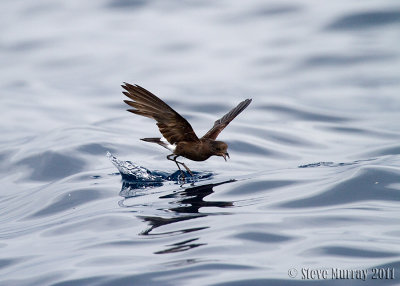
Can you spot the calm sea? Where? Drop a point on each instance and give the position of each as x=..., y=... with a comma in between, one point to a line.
x=311, y=194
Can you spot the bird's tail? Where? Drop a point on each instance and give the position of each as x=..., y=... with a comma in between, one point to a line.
x=159, y=141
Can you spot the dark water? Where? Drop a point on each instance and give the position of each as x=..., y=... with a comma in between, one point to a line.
x=313, y=183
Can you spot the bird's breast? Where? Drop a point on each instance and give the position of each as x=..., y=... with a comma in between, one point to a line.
x=196, y=151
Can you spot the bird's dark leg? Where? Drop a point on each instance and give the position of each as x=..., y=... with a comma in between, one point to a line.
x=186, y=167
x=177, y=163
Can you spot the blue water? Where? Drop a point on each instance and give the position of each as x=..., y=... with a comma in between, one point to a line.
x=313, y=182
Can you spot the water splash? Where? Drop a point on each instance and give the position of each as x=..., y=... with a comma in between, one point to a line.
x=140, y=177
x=131, y=171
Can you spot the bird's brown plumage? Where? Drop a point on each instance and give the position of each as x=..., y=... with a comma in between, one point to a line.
x=172, y=126
x=176, y=129
x=221, y=123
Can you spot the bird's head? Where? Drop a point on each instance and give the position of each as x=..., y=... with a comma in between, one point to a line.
x=220, y=148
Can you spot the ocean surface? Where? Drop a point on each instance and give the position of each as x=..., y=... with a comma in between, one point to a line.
x=311, y=194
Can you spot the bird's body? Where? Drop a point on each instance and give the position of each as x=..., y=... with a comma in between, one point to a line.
x=199, y=150
x=178, y=134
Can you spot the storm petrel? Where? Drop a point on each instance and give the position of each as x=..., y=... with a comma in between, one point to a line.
x=178, y=134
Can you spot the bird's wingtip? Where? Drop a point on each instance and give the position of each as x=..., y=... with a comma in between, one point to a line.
x=126, y=85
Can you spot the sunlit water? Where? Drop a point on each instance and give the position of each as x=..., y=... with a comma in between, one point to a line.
x=313, y=182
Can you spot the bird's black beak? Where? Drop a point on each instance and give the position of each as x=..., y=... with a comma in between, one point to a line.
x=225, y=155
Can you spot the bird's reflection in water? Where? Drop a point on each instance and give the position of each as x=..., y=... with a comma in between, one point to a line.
x=185, y=205
x=192, y=198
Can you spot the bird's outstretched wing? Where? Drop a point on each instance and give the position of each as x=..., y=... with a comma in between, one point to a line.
x=172, y=126
x=221, y=123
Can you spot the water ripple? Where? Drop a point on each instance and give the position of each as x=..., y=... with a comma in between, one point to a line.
x=366, y=20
